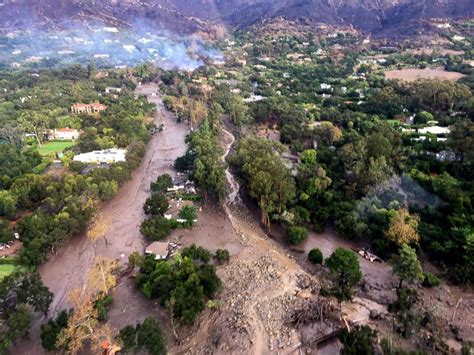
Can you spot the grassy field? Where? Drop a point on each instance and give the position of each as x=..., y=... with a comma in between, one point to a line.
x=6, y=270
x=55, y=147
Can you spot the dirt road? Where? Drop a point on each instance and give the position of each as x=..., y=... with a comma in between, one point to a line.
x=69, y=268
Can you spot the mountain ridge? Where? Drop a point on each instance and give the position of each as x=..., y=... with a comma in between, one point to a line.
x=380, y=17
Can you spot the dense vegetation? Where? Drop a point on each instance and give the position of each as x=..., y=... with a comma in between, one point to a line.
x=182, y=283
x=49, y=208
x=348, y=148
x=21, y=296
x=146, y=336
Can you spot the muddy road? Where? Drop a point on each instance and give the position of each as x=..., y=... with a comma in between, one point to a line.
x=69, y=268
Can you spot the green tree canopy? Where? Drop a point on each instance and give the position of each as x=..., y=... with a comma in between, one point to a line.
x=406, y=266
x=344, y=266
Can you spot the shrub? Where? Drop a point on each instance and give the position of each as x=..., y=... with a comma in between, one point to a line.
x=128, y=336
x=358, y=341
x=102, y=306
x=430, y=280
x=315, y=256
x=222, y=256
x=296, y=234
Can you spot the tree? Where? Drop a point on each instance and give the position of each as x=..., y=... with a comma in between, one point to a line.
x=146, y=72
x=51, y=330
x=407, y=320
x=296, y=234
x=197, y=113
x=344, y=266
x=99, y=229
x=358, y=341
x=268, y=179
x=27, y=288
x=403, y=228
x=237, y=110
x=181, y=284
x=156, y=205
x=150, y=336
x=147, y=335
x=423, y=117
x=34, y=122
x=83, y=323
x=158, y=227
x=162, y=183
x=315, y=256
x=203, y=158
x=406, y=266
x=328, y=133
x=18, y=321
x=7, y=204
x=19, y=294
x=197, y=254
x=461, y=140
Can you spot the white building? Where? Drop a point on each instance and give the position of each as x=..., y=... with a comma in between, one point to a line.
x=254, y=98
x=110, y=89
x=436, y=130
x=64, y=134
x=110, y=156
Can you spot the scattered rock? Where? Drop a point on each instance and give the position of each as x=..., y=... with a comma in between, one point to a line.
x=304, y=294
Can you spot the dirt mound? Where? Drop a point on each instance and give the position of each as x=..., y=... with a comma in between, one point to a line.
x=262, y=286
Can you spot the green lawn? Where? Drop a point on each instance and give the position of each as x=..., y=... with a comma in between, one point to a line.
x=55, y=147
x=6, y=269
x=393, y=122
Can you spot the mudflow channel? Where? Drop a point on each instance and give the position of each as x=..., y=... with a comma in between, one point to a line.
x=69, y=269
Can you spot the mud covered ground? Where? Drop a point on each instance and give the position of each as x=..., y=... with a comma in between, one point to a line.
x=69, y=269
x=263, y=283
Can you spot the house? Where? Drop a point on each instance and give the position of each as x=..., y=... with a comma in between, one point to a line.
x=436, y=130
x=254, y=98
x=102, y=156
x=159, y=249
x=64, y=134
x=443, y=25
x=93, y=108
x=110, y=89
x=458, y=38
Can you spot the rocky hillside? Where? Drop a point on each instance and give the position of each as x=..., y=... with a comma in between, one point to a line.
x=379, y=17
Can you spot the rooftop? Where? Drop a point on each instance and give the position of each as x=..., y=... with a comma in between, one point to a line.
x=160, y=249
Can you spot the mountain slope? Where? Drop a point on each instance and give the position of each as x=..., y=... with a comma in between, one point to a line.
x=387, y=17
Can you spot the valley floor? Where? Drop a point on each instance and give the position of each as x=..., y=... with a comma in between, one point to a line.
x=262, y=284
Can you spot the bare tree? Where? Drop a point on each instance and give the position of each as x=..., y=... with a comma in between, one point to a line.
x=99, y=229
